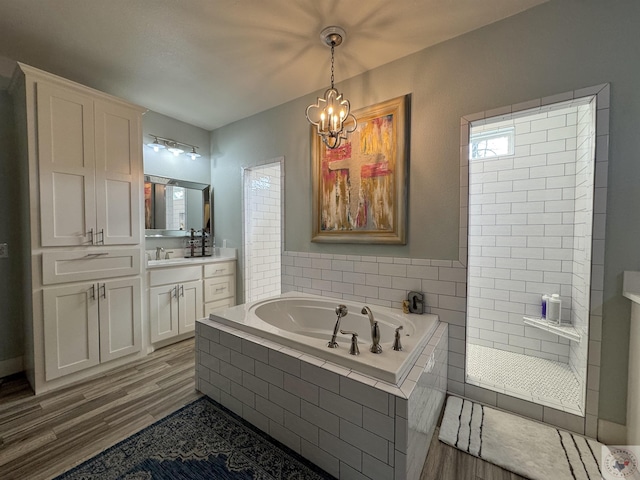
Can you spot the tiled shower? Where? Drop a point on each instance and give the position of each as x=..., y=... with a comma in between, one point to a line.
x=530, y=233
x=262, y=230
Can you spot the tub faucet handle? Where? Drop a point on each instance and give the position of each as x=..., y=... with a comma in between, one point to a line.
x=353, y=350
x=397, y=345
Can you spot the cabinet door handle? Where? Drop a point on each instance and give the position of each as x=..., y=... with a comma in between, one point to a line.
x=182, y=290
x=221, y=289
x=104, y=290
x=99, y=254
x=219, y=270
x=174, y=291
x=92, y=292
x=101, y=233
x=90, y=233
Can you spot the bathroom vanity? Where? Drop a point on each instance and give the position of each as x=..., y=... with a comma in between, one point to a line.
x=182, y=290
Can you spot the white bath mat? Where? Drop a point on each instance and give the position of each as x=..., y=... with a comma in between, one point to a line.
x=530, y=449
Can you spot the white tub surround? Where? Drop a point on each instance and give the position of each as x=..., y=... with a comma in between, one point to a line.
x=631, y=290
x=350, y=424
x=306, y=322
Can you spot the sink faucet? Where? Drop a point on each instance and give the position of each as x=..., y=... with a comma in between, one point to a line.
x=341, y=311
x=375, y=331
x=159, y=252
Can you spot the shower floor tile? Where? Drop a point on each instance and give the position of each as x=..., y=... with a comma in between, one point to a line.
x=531, y=378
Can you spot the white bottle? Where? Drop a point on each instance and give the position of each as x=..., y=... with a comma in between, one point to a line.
x=554, y=307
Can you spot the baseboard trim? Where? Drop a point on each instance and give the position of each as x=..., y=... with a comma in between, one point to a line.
x=11, y=366
x=611, y=433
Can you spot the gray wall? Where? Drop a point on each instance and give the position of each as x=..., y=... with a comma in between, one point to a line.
x=164, y=163
x=559, y=46
x=10, y=307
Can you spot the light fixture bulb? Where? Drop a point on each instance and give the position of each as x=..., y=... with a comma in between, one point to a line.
x=156, y=145
x=193, y=154
x=173, y=148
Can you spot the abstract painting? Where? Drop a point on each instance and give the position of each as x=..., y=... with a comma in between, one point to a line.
x=359, y=188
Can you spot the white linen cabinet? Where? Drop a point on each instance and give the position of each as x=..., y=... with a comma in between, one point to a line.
x=81, y=198
x=90, y=323
x=88, y=151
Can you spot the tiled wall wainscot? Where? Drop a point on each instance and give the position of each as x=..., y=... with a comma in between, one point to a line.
x=351, y=425
x=386, y=281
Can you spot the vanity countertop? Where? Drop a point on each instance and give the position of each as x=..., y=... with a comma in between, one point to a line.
x=182, y=261
x=631, y=286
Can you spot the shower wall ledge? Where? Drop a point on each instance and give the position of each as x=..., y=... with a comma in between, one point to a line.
x=631, y=286
x=565, y=331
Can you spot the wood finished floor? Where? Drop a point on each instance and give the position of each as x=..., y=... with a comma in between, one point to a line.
x=43, y=436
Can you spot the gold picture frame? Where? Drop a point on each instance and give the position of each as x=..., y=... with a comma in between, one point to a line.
x=360, y=188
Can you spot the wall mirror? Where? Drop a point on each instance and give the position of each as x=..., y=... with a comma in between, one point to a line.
x=173, y=207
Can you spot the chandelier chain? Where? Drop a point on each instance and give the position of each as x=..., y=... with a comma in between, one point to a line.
x=332, y=47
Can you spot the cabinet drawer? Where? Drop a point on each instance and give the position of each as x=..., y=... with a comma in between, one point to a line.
x=218, y=288
x=171, y=275
x=76, y=266
x=218, y=305
x=219, y=269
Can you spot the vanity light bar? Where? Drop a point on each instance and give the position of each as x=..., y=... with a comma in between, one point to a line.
x=173, y=146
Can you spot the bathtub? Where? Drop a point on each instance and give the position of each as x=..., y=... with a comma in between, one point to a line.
x=370, y=416
x=305, y=323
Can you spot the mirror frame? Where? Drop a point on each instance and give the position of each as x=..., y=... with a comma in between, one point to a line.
x=204, y=187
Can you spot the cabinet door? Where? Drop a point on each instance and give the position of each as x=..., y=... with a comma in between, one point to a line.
x=190, y=299
x=163, y=312
x=120, y=316
x=67, y=166
x=70, y=329
x=118, y=174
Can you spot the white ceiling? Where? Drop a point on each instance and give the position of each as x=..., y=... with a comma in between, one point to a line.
x=211, y=62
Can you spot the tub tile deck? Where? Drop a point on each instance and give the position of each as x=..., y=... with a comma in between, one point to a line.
x=350, y=424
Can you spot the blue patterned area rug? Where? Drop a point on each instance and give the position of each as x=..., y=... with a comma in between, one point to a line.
x=200, y=441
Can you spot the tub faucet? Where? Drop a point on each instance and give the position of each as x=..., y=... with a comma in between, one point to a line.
x=341, y=311
x=375, y=331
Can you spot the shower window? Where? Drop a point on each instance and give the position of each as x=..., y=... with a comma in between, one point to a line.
x=491, y=143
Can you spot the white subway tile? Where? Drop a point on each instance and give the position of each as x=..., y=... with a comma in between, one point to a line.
x=531, y=161
x=532, y=137
x=547, y=171
x=551, y=123
x=511, y=197
x=532, y=184
x=530, y=343
x=341, y=406
x=378, y=280
x=332, y=275
x=548, y=147
x=365, y=440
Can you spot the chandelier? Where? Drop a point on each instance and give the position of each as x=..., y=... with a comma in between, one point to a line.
x=331, y=114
